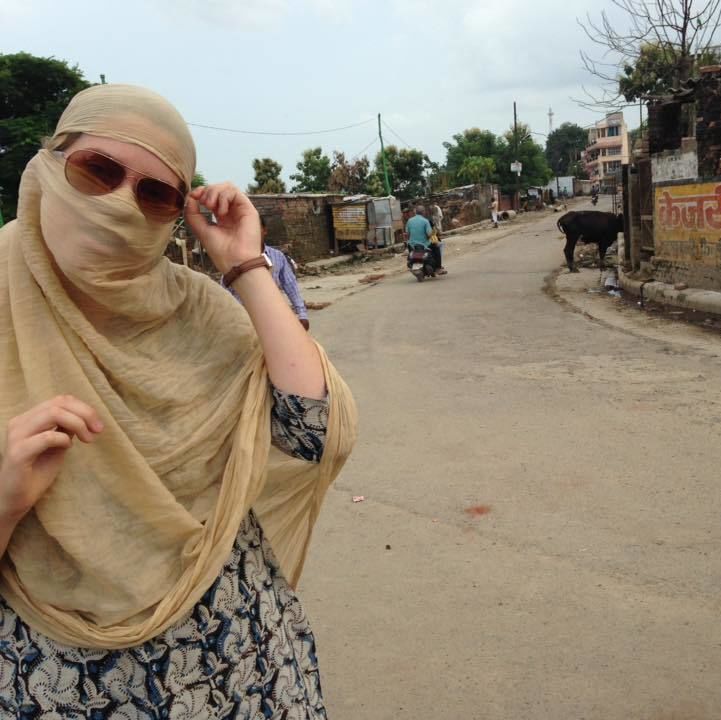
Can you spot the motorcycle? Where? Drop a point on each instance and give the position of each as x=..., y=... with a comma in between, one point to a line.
x=594, y=200
x=420, y=262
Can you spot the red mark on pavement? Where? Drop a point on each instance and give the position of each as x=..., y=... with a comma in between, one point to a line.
x=477, y=510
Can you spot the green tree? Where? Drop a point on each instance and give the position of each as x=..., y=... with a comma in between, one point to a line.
x=313, y=172
x=267, y=177
x=637, y=133
x=198, y=180
x=656, y=68
x=471, y=143
x=375, y=185
x=476, y=169
x=349, y=178
x=406, y=168
x=536, y=171
x=34, y=91
x=578, y=170
x=648, y=46
x=564, y=146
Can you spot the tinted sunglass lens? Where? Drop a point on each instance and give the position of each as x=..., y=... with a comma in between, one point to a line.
x=92, y=173
x=159, y=200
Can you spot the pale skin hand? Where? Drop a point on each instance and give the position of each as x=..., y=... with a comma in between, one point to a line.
x=36, y=445
x=291, y=356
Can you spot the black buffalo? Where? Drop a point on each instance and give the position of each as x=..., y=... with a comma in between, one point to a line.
x=589, y=226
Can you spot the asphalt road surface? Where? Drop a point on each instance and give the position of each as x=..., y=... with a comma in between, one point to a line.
x=541, y=531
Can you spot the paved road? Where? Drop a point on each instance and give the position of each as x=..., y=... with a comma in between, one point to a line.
x=591, y=586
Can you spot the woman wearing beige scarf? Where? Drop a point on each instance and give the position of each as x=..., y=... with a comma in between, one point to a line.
x=161, y=439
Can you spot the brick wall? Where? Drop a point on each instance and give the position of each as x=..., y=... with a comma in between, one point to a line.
x=665, y=126
x=687, y=251
x=692, y=274
x=303, y=223
x=708, y=122
x=466, y=205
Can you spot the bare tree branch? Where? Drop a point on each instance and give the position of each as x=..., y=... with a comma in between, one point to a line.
x=681, y=30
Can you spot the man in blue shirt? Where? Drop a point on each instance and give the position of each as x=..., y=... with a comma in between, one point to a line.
x=284, y=276
x=419, y=231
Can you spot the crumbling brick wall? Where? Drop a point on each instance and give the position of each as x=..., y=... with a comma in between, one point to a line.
x=664, y=126
x=464, y=205
x=302, y=223
x=708, y=122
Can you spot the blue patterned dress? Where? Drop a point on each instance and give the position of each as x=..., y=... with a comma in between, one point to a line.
x=245, y=651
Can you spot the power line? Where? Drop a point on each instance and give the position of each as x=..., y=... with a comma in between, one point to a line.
x=408, y=145
x=263, y=132
x=370, y=144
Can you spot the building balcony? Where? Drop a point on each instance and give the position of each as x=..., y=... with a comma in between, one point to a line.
x=605, y=143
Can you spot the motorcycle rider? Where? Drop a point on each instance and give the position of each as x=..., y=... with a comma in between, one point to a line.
x=419, y=231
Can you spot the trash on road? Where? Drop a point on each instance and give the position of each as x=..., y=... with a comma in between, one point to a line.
x=358, y=498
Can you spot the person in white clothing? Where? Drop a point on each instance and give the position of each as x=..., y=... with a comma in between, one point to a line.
x=494, y=210
x=437, y=218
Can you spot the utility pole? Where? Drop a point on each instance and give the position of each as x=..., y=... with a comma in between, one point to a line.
x=383, y=156
x=515, y=142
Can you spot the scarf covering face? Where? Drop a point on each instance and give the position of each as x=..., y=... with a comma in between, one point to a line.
x=138, y=525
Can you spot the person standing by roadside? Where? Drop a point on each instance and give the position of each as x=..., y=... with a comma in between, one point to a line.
x=494, y=210
x=437, y=219
x=164, y=453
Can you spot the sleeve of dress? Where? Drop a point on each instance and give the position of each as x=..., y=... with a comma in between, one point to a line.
x=298, y=425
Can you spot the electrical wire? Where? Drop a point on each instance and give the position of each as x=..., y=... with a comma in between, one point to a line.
x=408, y=145
x=370, y=144
x=263, y=132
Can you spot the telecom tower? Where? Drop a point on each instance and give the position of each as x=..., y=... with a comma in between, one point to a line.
x=550, y=120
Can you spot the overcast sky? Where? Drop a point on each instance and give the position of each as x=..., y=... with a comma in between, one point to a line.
x=431, y=67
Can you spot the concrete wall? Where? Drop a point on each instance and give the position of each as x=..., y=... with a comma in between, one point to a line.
x=582, y=187
x=302, y=222
x=557, y=185
x=681, y=164
x=687, y=234
x=685, y=186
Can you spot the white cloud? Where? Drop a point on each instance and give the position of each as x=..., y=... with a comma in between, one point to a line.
x=338, y=11
x=236, y=14
x=259, y=14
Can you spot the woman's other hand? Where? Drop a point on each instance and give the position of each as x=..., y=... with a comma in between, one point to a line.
x=35, y=448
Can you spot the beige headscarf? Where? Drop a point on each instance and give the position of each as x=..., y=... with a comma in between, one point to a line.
x=138, y=525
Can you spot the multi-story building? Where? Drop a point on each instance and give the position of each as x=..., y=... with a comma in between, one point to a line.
x=607, y=147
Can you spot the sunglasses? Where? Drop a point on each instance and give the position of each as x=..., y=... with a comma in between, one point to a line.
x=93, y=173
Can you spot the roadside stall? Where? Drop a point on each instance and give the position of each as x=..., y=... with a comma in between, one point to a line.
x=367, y=221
